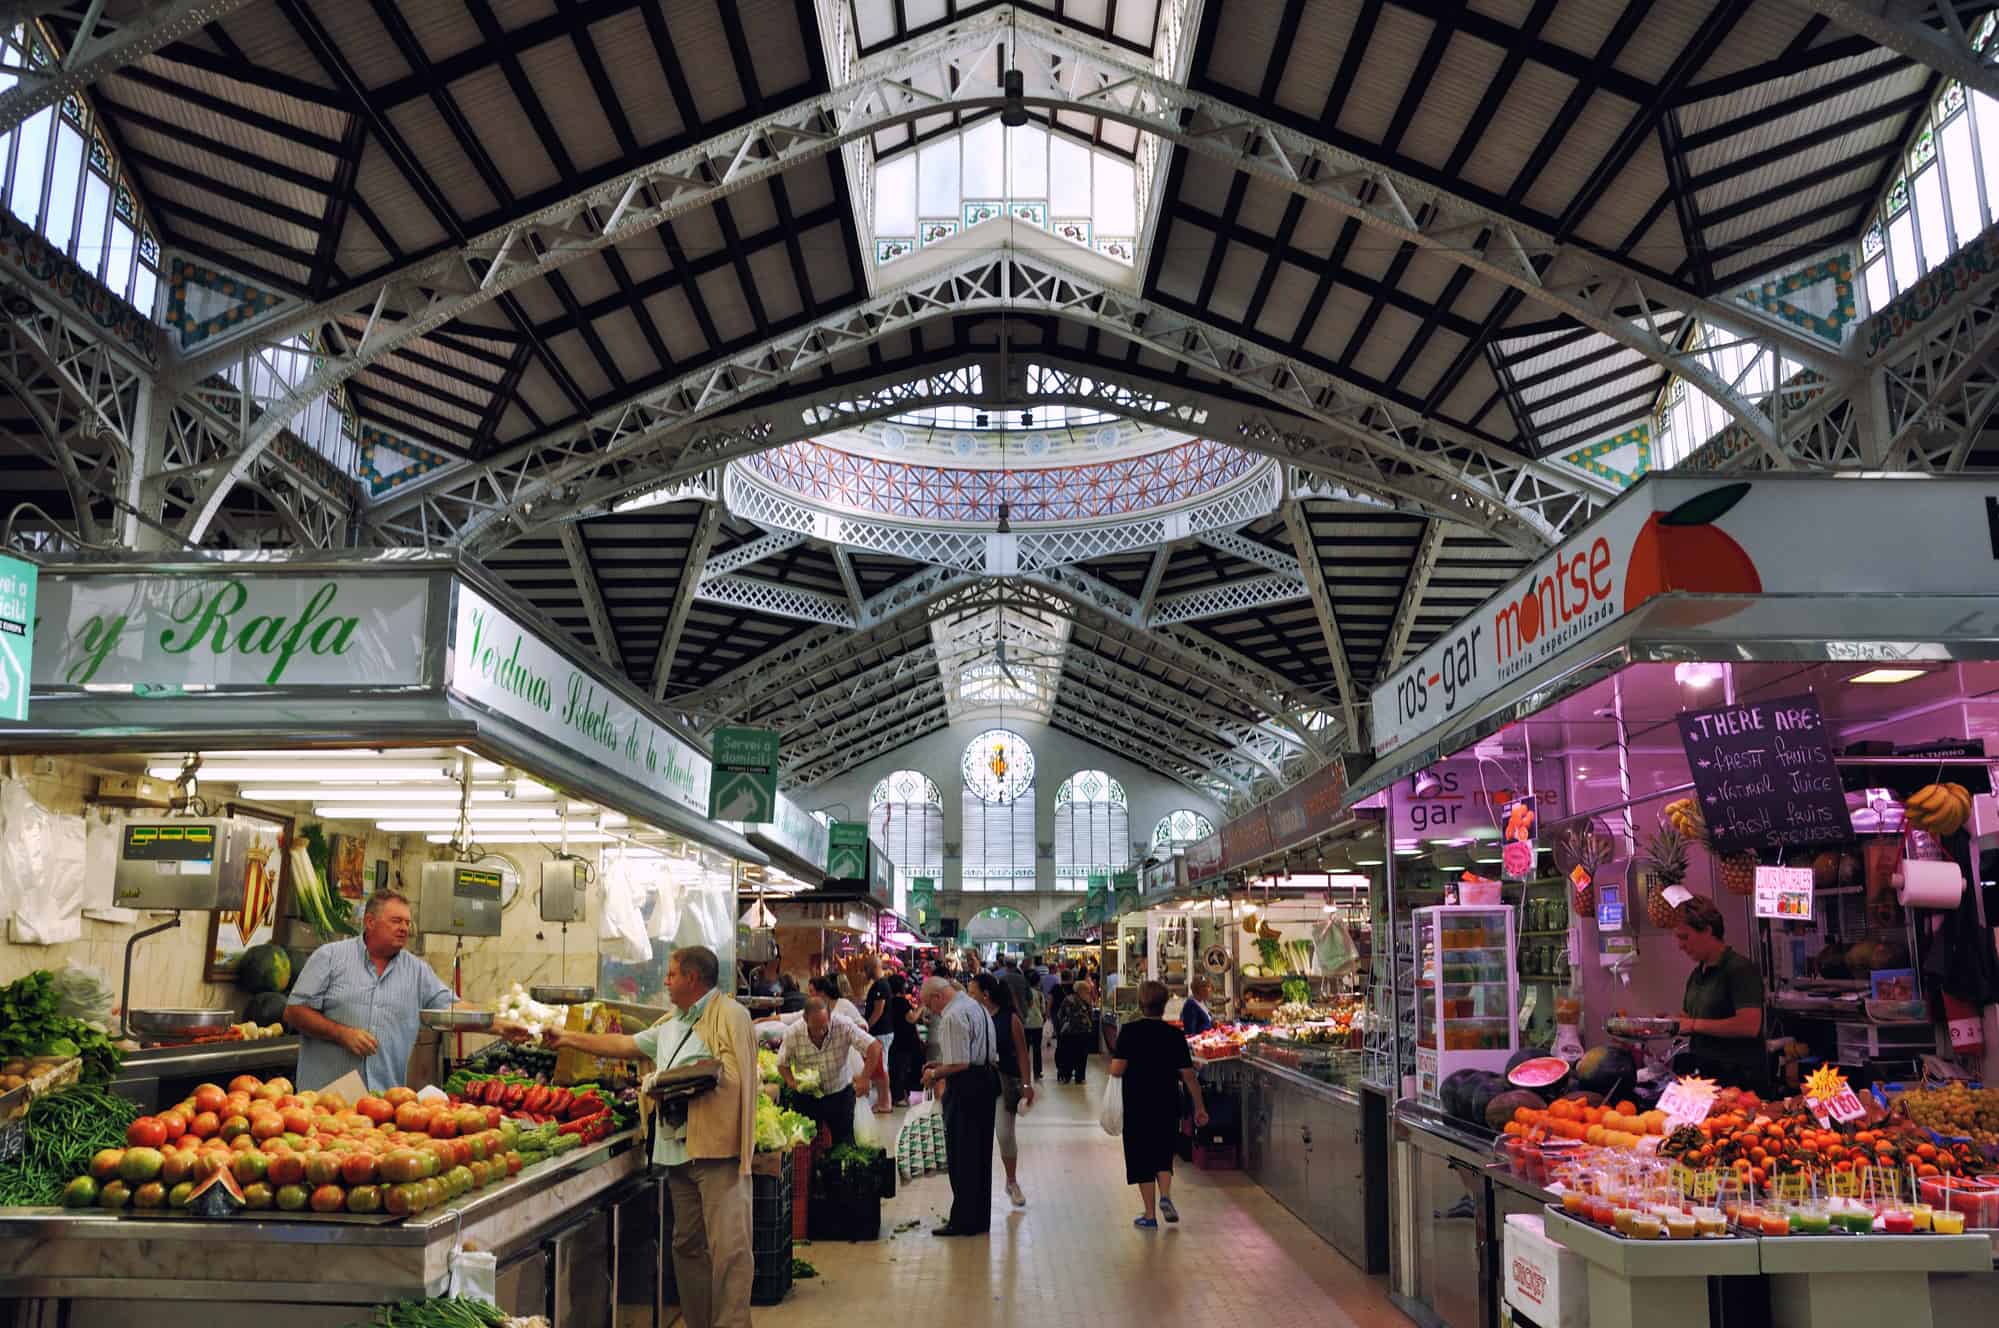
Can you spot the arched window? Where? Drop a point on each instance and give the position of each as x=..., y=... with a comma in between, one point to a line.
x=998, y=770
x=906, y=821
x=1092, y=829
x=1176, y=830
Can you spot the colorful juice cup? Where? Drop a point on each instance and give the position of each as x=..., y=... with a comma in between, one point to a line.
x=1682, y=1226
x=1946, y=1223
x=1898, y=1222
x=1921, y=1214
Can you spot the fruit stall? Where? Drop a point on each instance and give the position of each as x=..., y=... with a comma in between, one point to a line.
x=220, y=763
x=1703, y=705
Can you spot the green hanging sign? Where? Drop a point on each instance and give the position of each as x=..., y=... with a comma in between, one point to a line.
x=743, y=784
x=847, y=850
x=922, y=899
x=17, y=635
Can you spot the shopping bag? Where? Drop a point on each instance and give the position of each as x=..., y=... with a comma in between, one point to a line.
x=1112, y=1118
x=866, y=1133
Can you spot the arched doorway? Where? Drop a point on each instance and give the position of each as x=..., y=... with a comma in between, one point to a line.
x=998, y=929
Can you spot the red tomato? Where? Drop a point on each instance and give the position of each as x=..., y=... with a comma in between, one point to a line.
x=413, y=1116
x=210, y=1098
x=358, y=1168
x=146, y=1132
x=246, y=1084
x=375, y=1109
x=205, y=1125
x=329, y=1199
x=176, y=1124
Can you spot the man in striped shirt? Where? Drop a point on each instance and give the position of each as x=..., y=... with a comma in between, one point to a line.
x=356, y=1001
x=821, y=1041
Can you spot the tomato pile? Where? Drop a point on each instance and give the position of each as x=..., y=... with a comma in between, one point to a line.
x=311, y=1151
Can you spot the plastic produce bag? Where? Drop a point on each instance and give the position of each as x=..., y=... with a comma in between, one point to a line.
x=621, y=926
x=103, y=831
x=866, y=1133
x=1333, y=949
x=475, y=1275
x=1112, y=1118
x=41, y=856
x=85, y=994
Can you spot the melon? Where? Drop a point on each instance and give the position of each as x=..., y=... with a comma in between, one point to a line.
x=1467, y=1092
x=1606, y=1069
x=1525, y=1054
x=264, y=968
x=266, y=1007
x=1544, y=1074
x=1499, y=1110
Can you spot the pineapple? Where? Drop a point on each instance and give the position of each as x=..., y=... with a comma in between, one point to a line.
x=1738, y=871
x=1666, y=854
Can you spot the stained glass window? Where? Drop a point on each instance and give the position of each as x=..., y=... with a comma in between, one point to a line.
x=906, y=821
x=1092, y=829
x=998, y=808
x=1177, y=829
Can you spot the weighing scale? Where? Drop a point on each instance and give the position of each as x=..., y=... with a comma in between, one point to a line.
x=564, y=898
x=178, y=864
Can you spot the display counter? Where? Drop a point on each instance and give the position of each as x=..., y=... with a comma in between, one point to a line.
x=159, y=1076
x=1305, y=1142
x=558, y=1232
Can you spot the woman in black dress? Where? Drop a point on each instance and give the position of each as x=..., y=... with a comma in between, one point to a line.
x=905, y=1051
x=1151, y=1055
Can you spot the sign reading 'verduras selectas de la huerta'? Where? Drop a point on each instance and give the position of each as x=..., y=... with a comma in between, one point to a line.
x=1774, y=534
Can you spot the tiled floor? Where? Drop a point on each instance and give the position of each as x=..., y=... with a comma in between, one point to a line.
x=1072, y=1256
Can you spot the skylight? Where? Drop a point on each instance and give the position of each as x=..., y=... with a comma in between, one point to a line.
x=953, y=183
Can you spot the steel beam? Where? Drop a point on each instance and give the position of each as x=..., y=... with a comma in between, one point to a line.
x=705, y=527
x=776, y=599
x=855, y=599
x=1298, y=520
x=750, y=553
x=588, y=586
x=103, y=44
x=1240, y=546
x=1421, y=568
x=1926, y=31
x=1383, y=446
x=1228, y=597
x=1153, y=576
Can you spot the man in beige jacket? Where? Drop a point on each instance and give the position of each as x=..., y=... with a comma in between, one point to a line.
x=707, y=1159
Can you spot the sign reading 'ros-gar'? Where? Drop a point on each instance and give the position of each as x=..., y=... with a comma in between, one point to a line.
x=174, y=632
x=500, y=665
x=1699, y=537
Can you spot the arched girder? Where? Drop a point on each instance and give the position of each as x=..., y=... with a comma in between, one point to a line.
x=1065, y=74
x=1476, y=480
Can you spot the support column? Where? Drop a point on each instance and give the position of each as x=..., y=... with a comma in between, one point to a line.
x=139, y=526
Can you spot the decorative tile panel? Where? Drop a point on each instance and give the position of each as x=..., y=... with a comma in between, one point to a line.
x=28, y=250
x=1623, y=459
x=388, y=462
x=1076, y=230
x=1943, y=283
x=1817, y=298
x=935, y=230
x=894, y=247
x=203, y=303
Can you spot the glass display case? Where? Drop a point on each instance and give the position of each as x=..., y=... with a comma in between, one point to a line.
x=1467, y=990
x=1333, y=1062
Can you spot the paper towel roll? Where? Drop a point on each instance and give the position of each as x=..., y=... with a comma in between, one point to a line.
x=1929, y=884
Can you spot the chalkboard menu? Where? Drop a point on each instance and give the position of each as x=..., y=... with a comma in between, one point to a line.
x=1764, y=774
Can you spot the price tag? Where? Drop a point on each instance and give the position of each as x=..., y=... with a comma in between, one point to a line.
x=1677, y=895
x=1842, y=1106
x=1843, y=1184
x=1784, y=893
x=1707, y=1184
x=1686, y=1103
x=1793, y=1187
x=1580, y=879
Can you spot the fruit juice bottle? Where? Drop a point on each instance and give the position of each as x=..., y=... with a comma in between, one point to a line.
x=1622, y=1219
x=1810, y=1220
x=1575, y=1203
x=1946, y=1223
x=1855, y=1217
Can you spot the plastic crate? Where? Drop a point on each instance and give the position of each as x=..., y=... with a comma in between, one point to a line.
x=1215, y=1157
x=770, y=1234
x=1860, y=1043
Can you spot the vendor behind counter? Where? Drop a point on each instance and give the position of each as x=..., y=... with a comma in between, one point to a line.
x=1722, y=1011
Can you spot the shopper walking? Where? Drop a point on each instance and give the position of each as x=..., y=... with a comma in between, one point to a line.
x=1016, y=1089
x=1152, y=1062
x=1033, y=1017
x=881, y=992
x=1075, y=1025
x=964, y=1073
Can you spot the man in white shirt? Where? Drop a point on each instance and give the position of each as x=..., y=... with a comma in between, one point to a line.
x=820, y=1041
x=964, y=1071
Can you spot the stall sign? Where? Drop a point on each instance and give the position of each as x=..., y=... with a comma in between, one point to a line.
x=922, y=899
x=1701, y=536
x=17, y=635
x=1311, y=807
x=1165, y=875
x=167, y=634
x=1784, y=893
x=1687, y=1101
x=1246, y=839
x=498, y=664
x=881, y=877
x=1204, y=858
x=743, y=786
x=847, y=850
x=1764, y=773
x=795, y=831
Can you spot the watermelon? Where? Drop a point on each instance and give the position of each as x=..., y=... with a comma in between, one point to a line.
x=1543, y=1074
x=266, y=1007
x=1466, y=1092
x=218, y=1196
x=1606, y=1070
x=1499, y=1111
x=264, y=968
x=1524, y=1055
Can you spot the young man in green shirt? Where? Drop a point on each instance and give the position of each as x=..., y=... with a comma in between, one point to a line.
x=1723, y=1003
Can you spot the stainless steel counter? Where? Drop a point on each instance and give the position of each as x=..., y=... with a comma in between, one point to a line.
x=150, y=1077
x=222, y=1272
x=1305, y=1142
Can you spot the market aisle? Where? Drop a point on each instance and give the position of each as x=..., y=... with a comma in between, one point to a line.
x=1072, y=1256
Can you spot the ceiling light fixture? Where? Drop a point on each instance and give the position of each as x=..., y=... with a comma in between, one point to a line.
x=1884, y=676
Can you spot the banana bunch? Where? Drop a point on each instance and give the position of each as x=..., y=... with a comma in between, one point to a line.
x=1940, y=809
x=1684, y=815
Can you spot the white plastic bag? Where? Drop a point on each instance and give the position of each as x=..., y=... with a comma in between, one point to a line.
x=475, y=1275
x=41, y=854
x=621, y=926
x=1112, y=1118
x=103, y=831
x=866, y=1133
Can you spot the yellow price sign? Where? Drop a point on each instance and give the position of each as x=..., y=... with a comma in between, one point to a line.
x=1684, y=1180
x=1794, y=1187
x=1844, y=1184
x=1707, y=1184
x=1884, y=1182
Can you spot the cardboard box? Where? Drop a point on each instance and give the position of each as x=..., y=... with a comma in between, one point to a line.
x=1544, y=1282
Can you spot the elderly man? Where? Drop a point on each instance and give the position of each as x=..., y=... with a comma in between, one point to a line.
x=707, y=1158
x=966, y=1073
x=820, y=1041
x=356, y=1001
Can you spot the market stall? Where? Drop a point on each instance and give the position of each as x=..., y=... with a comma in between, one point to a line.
x=221, y=760
x=1701, y=802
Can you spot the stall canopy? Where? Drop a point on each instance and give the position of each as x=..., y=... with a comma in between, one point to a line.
x=1313, y=807
x=1778, y=568
x=384, y=650
x=795, y=840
